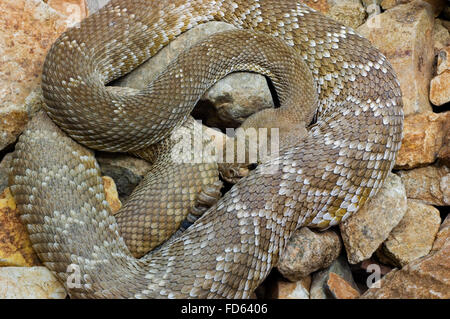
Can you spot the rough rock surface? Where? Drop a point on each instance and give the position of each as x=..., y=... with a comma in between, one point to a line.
x=404, y=35
x=430, y=184
x=308, y=251
x=440, y=84
x=424, y=136
x=319, y=286
x=15, y=245
x=364, y=232
x=413, y=237
x=29, y=283
x=27, y=29
x=426, y=277
x=291, y=290
x=441, y=36
x=111, y=195
x=438, y=5
x=340, y=288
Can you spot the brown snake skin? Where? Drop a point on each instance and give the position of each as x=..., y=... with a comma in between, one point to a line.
x=320, y=178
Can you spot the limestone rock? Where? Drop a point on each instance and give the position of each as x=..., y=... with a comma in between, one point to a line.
x=319, y=286
x=426, y=277
x=340, y=288
x=74, y=10
x=423, y=137
x=111, y=195
x=440, y=84
x=364, y=232
x=441, y=36
x=291, y=290
x=15, y=245
x=430, y=184
x=443, y=63
x=404, y=35
x=443, y=235
x=308, y=251
x=27, y=29
x=348, y=12
x=413, y=237
x=438, y=5
x=29, y=283
x=229, y=101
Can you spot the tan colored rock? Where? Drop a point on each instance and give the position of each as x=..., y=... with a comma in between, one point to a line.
x=440, y=89
x=292, y=290
x=27, y=29
x=366, y=230
x=308, y=251
x=15, y=245
x=426, y=277
x=443, y=235
x=340, y=288
x=441, y=36
x=413, y=237
x=443, y=62
x=438, y=5
x=74, y=10
x=440, y=84
x=348, y=12
x=319, y=284
x=29, y=283
x=404, y=35
x=430, y=184
x=423, y=138
x=111, y=195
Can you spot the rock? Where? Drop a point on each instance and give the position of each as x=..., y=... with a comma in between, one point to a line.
x=426, y=277
x=348, y=12
x=74, y=10
x=228, y=102
x=95, y=5
x=413, y=237
x=111, y=195
x=23, y=47
x=364, y=232
x=372, y=7
x=430, y=184
x=29, y=283
x=438, y=5
x=308, y=251
x=319, y=286
x=443, y=62
x=423, y=137
x=440, y=84
x=441, y=36
x=15, y=245
x=340, y=288
x=292, y=290
x=126, y=171
x=404, y=35
x=443, y=235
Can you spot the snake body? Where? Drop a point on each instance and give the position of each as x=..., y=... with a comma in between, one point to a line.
x=319, y=178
